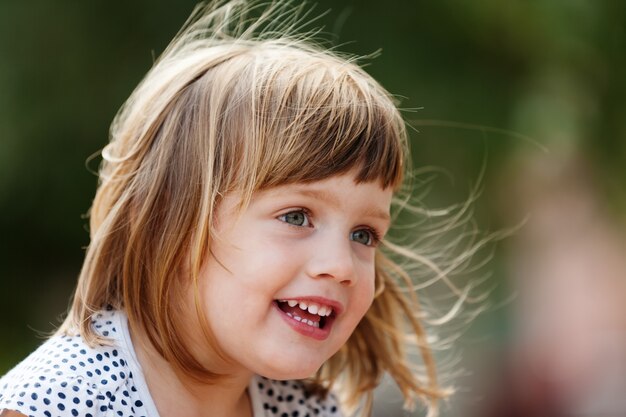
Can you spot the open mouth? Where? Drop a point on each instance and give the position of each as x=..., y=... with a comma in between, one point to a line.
x=307, y=312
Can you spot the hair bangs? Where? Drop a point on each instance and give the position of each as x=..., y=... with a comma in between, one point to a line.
x=313, y=117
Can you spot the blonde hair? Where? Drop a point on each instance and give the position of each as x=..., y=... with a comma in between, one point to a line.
x=236, y=103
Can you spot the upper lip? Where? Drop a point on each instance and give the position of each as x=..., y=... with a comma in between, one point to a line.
x=336, y=305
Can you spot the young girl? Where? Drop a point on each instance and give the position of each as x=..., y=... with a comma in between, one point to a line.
x=237, y=265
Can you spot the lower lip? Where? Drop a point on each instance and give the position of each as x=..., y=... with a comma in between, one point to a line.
x=304, y=329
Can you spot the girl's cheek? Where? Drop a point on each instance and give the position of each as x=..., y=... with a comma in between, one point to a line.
x=366, y=294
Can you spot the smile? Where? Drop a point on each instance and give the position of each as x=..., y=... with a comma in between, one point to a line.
x=309, y=317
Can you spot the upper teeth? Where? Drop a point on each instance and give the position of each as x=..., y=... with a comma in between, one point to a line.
x=311, y=307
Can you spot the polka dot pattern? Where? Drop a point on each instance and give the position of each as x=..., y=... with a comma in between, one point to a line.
x=291, y=399
x=65, y=377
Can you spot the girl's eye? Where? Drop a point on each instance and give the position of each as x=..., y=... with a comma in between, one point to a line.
x=364, y=236
x=296, y=218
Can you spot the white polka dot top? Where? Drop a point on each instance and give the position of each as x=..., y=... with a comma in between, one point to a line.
x=65, y=377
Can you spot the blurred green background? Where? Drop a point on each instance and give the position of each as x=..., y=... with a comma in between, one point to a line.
x=532, y=91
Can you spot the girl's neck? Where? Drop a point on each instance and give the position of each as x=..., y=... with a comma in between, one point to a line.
x=175, y=395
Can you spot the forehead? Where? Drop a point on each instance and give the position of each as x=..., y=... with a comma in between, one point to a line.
x=340, y=192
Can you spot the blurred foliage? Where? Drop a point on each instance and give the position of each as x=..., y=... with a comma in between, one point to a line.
x=473, y=77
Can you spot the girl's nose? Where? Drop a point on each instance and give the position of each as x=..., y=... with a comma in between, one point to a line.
x=333, y=258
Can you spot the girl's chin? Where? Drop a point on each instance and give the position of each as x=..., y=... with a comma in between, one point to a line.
x=294, y=359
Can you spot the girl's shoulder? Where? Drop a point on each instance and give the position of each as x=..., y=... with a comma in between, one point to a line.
x=68, y=377
x=292, y=398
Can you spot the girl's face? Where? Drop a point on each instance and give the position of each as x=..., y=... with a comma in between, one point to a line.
x=290, y=277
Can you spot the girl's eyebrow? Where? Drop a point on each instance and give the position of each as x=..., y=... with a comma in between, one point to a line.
x=333, y=200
